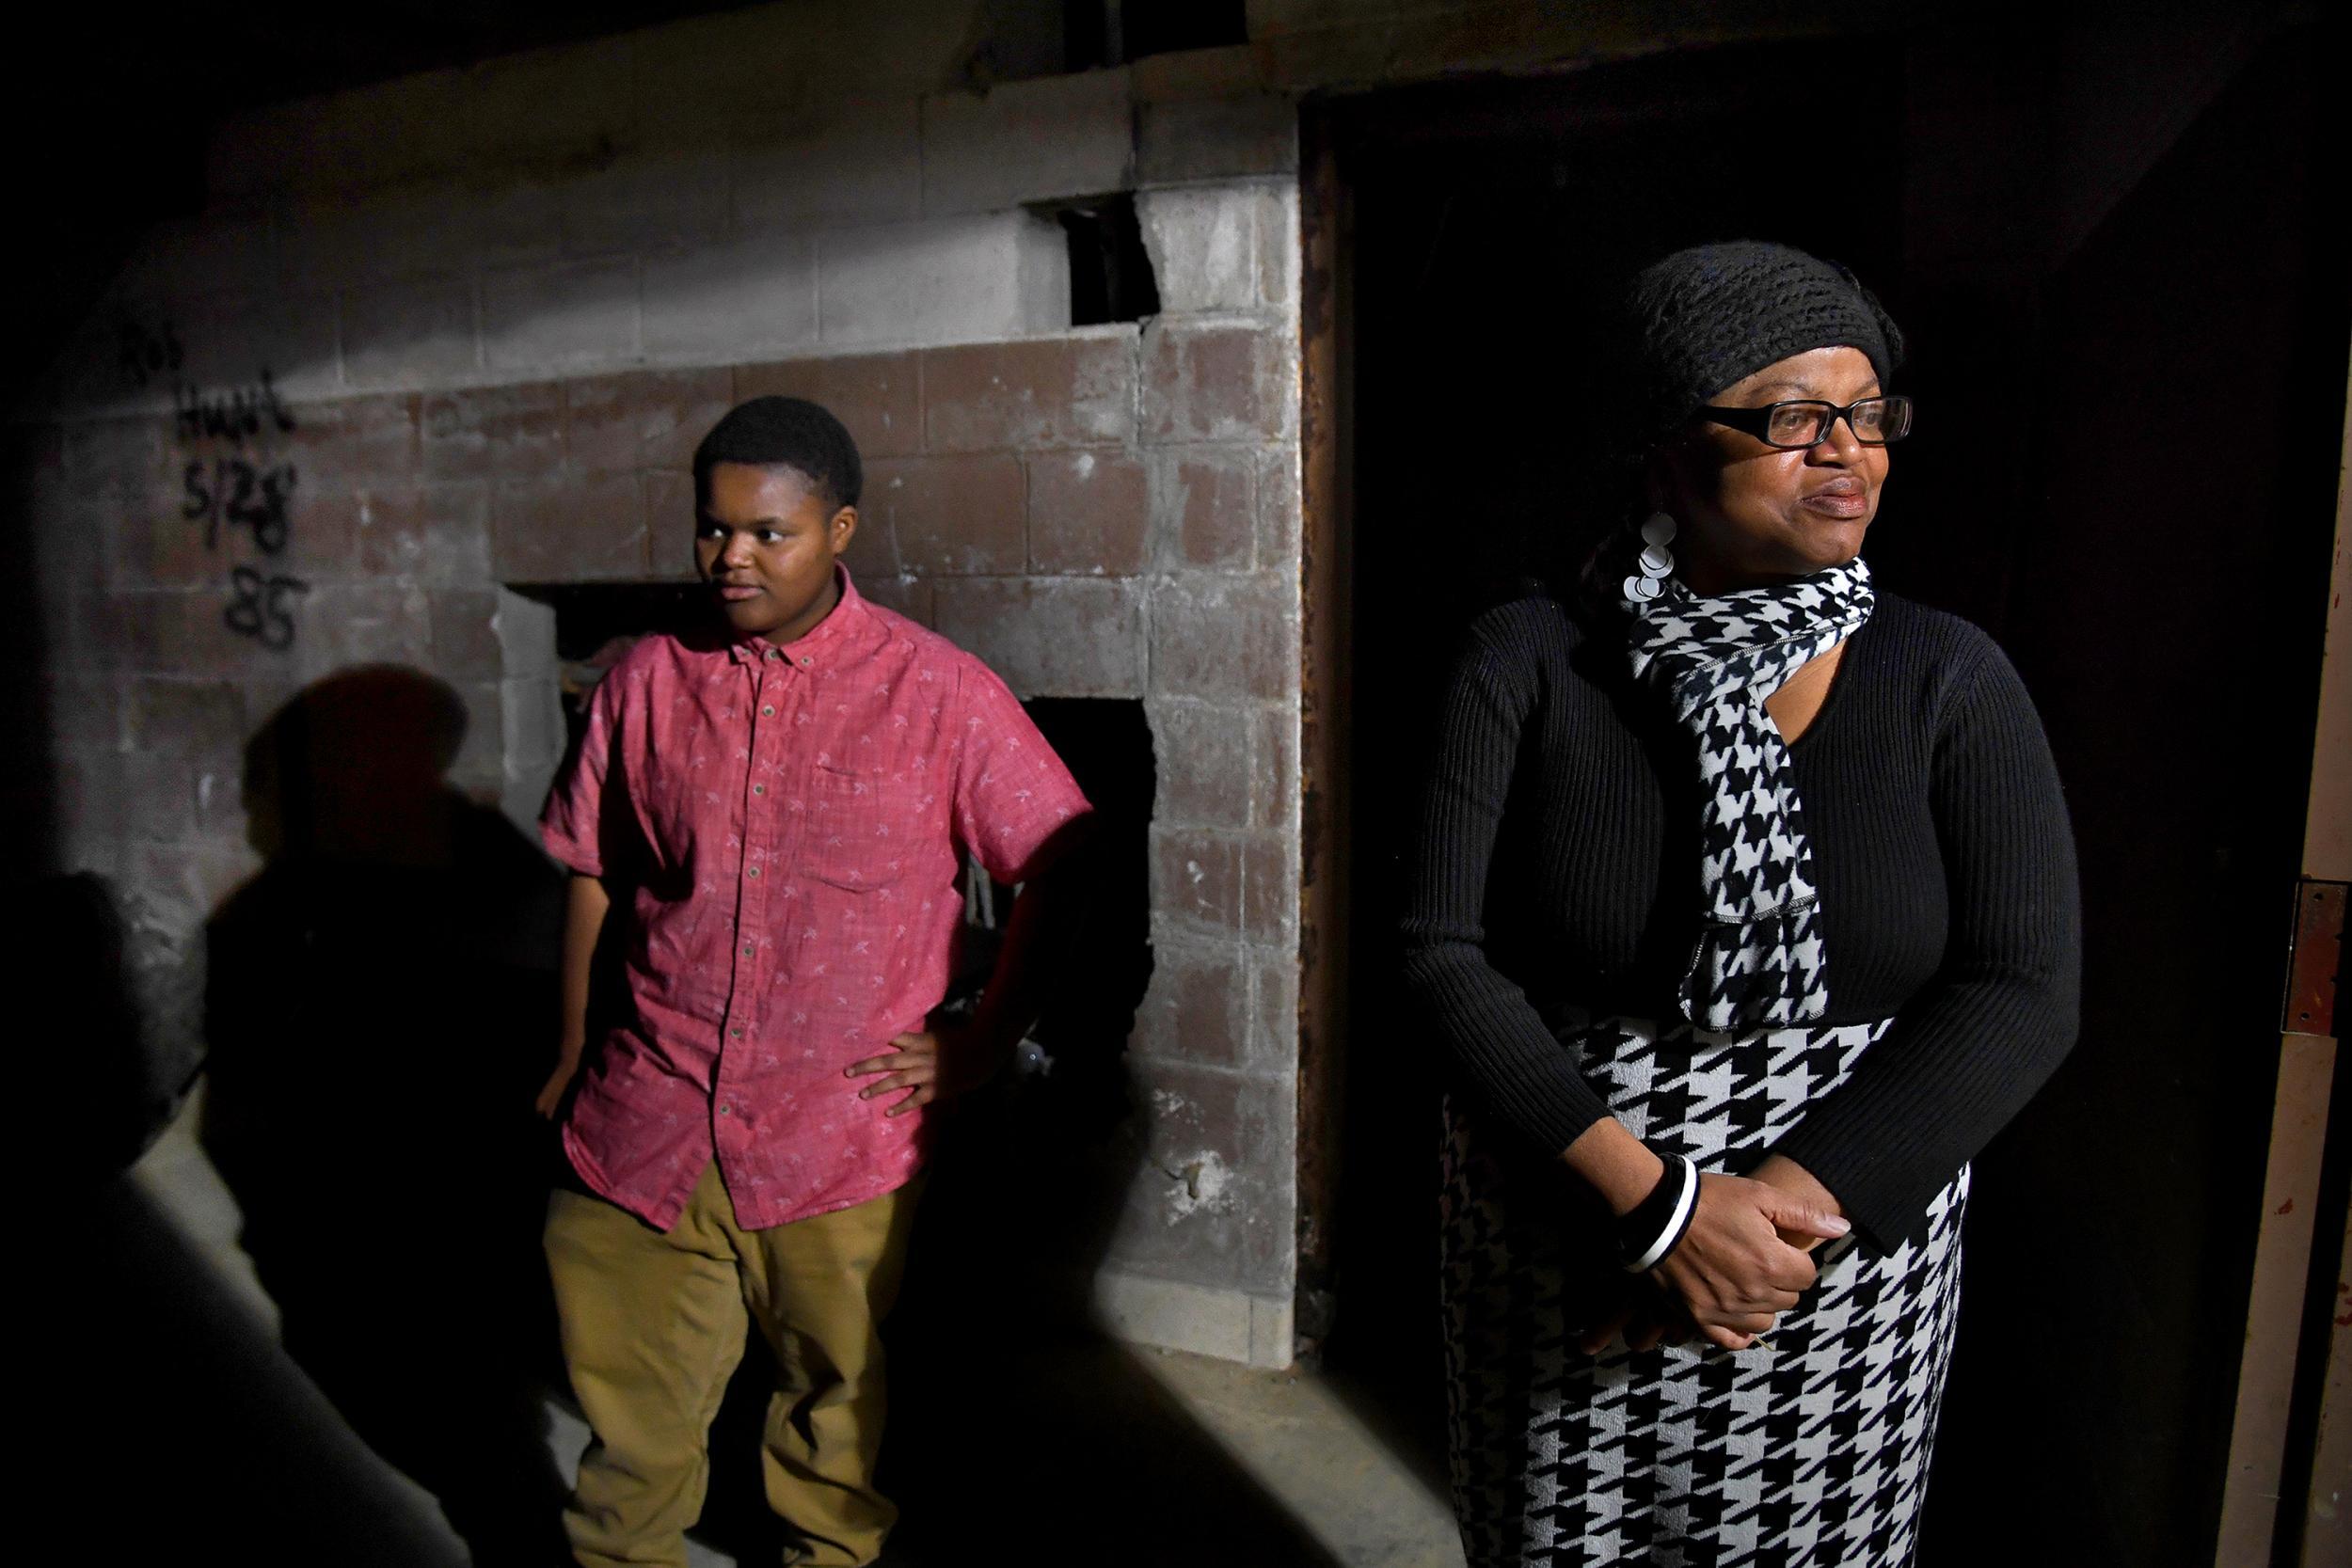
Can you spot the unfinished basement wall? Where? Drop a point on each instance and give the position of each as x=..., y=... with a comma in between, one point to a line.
x=440, y=339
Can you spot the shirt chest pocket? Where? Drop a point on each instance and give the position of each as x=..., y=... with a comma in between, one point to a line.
x=868, y=830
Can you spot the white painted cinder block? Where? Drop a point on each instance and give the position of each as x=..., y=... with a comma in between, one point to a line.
x=562, y=99
x=519, y=222
x=526, y=633
x=1223, y=246
x=796, y=59
x=1218, y=138
x=644, y=200
x=413, y=230
x=534, y=727
x=1279, y=246
x=1231, y=1325
x=943, y=280
x=229, y=339
x=750, y=296
x=864, y=164
x=1027, y=141
x=561, y=318
x=1202, y=241
x=534, y=713
x=399, y=335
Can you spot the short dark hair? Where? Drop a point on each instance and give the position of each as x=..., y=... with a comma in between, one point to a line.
x=785, y=433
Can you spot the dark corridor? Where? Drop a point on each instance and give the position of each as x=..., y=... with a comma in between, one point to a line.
x=2107, y=540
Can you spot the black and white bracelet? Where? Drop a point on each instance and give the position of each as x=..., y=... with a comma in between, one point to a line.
x=1657, y=1225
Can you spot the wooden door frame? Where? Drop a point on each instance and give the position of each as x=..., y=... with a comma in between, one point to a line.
x=2264, y=1511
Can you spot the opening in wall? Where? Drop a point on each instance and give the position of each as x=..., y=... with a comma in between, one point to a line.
x=596, y=624
x=1110, y=276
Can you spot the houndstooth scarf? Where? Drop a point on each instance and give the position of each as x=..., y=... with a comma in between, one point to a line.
x=1758, y=959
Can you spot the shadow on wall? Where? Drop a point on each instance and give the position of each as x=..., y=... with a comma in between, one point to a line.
x=377, y=1011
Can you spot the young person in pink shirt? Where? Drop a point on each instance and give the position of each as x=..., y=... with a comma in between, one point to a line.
x=765, y=823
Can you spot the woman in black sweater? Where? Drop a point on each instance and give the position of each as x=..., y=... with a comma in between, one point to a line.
x=1743, y=901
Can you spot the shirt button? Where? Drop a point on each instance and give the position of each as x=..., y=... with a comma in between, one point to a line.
x=735, y=1034
x=747, y=952
x=759, y=789
x=774, y=655
x=726, y=1110
x=753, y=872
x=806, y=661
x=767, y=710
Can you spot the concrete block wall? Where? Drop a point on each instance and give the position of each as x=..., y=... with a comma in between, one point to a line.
x=440, y=339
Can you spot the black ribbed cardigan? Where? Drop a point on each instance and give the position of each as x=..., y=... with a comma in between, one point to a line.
x=1555, y=868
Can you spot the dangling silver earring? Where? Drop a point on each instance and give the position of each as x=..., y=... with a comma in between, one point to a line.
x=1656, y=563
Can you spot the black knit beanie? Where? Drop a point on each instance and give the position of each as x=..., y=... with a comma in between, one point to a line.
x=1703, y=317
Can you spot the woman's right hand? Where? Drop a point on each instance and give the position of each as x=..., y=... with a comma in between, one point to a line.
x=1731, y=1270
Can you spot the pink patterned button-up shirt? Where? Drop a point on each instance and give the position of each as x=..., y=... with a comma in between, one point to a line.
x=782, y=826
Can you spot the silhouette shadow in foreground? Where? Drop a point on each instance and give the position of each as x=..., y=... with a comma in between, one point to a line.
x=133, y=982
x=186, y=1426
x=377, y=1010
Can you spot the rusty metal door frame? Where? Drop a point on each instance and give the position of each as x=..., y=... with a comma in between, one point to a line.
x=1324, y=737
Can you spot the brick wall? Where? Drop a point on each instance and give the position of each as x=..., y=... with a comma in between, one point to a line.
x=459, y=333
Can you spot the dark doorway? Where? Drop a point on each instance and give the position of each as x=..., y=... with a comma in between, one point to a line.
x=2018, y=232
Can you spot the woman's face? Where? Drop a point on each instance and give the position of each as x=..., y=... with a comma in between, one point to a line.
x=1751, y=513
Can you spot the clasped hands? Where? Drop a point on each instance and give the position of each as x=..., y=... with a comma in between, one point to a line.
x=1744, y=1260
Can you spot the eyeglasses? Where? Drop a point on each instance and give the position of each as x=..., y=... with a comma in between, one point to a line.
x=1789, y=426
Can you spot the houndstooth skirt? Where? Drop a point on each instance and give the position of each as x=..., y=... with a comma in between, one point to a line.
x=1808, y=1448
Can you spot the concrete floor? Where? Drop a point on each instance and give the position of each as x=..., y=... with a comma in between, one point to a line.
x=1099, y=1453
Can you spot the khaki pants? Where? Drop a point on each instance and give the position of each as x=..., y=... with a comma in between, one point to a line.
x=653, y=1324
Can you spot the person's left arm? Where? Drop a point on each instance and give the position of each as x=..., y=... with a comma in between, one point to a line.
x=1965, y=1053
x=1017, y=808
